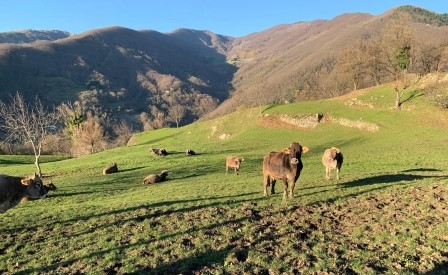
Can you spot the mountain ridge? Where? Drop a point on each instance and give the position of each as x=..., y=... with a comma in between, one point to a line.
x=149, y=65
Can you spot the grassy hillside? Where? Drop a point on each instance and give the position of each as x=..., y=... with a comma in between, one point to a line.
x=386, y=214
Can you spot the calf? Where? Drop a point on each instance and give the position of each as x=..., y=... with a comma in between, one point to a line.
x=155, y=178
x=14, y=189
x=285, y=165
x=332, y=159
x=233, y=162
x=110, y=169
x=190, y=152
x=158, y=152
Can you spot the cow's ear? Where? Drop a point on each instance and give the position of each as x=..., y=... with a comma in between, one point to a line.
x=27, y=181
x=286, y=151
x=305, y=150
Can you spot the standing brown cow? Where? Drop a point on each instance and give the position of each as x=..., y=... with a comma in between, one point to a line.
x=14, y=189
x=233, y=162
x=285, y=165
x=332, y=159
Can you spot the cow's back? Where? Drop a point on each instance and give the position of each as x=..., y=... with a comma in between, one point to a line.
x=8, y=185
x=273, y=163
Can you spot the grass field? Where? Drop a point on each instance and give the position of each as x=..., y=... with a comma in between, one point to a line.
x=387, y=214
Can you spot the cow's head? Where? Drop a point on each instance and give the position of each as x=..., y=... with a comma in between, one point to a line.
x=164, y=174
x=333, y=152
x=35, y=188
x=295, y=152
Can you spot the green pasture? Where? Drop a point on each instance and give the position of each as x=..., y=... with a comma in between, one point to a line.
x=206, y=222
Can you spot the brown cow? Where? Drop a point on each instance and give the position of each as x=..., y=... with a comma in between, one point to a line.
x=332, y=159
x=233, y=162
x=285, y=165
x=14, y=189
x=155, y=178
x=110, y=169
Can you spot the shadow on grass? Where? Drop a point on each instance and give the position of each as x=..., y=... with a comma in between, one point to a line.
x=414, y=94
x=387, y=178
x=439, y=269
x=153, y=141
x=369, y=184
x=56, y=195
x=187, y=264
x=218, y=200
x=131, y=169
x=422, y=170
x=341, y=144
x=28, y=159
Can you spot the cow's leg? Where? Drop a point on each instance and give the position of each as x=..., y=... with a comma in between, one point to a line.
x=265, y=185
x=337, y=173
x=227, y=169
x=273, y=186
x=285, y=187
x=236, y=171
x=327, y=172
x=293, y=185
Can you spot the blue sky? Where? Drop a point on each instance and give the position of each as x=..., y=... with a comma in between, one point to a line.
x=228, y=17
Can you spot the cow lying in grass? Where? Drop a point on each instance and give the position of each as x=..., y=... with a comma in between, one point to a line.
x=332, y=159
x=233, y=162
x=190, y=152
x=159, y=152
x=155, y=178
x=285, y=165
x=14, y=189
x=110, y=169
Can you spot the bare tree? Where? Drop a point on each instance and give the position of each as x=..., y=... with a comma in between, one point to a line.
x=397, y=39
x=177, y=113
x=352, y=61
x=123, y=132
x=89, y=136
x=27, y=123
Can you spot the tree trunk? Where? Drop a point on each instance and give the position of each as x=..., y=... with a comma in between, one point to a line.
x=37, y=163
x=397, y=100
x=37, y=149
